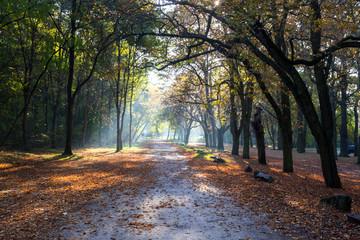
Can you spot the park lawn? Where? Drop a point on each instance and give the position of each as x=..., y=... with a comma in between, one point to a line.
x=292, y=200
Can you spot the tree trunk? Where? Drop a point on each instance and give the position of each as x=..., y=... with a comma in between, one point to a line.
x=211, y=140
x=333, y=107
x=356, y=130
x=137, y=138
x=325, y=138
x=260, y=136
x=24, y=127
x=246, y=130
x=55, y=118
x=69, y=127
x=301, y=134
x=118, y=101
x=358, y=156
x=272, y=129
x=286, y=133
x=283, y=115
x=220, y=136
x=280, y=139
x=85, y=124
x=343, y=126
x=131, y=115
x=287, y=150
x=241, y=137
x=322, y=129
x=46, y=120
x=118, y=133
x=100, y=116
x=206, y=135
x=70, y=97
x=234, y=129
x=168, y=134
x=108, y=122
x=187, y=131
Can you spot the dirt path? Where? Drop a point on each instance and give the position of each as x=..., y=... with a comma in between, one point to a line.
x=173, y=208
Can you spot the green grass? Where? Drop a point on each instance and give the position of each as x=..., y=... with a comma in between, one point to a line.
x=205, y=156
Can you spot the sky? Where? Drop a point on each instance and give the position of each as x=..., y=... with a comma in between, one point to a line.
x=161, y=79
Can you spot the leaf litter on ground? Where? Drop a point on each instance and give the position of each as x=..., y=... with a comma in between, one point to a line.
x=292, y=200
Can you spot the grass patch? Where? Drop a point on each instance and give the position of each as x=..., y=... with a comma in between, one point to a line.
x=186, y=148
x=205, y=156
x=67, y=157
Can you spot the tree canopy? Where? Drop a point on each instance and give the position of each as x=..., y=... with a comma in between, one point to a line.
x=74, y=72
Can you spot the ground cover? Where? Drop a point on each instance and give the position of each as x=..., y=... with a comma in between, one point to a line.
x=292, y=200
x=38, y=190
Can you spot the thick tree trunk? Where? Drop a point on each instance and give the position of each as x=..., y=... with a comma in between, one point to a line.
x=213, y=135
x=206, y=135
x=245, y=122
x=287, y=150
x=286, y=132
x=260, y=136
x=220, y=137
x=325, y=138
x=283, y=115
x=235, y=144
x=322, y=129
x=70, y=97
x=330, y=175
x=246, y=147
x=181, y=135
x=246, y=118
x=187, y=132
x=69, y=127
x=211, y=140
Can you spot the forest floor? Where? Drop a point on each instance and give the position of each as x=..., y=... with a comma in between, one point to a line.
x=162, y=191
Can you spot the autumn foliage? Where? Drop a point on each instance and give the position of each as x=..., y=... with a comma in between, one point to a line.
x=292, y=200
x=37, y=190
